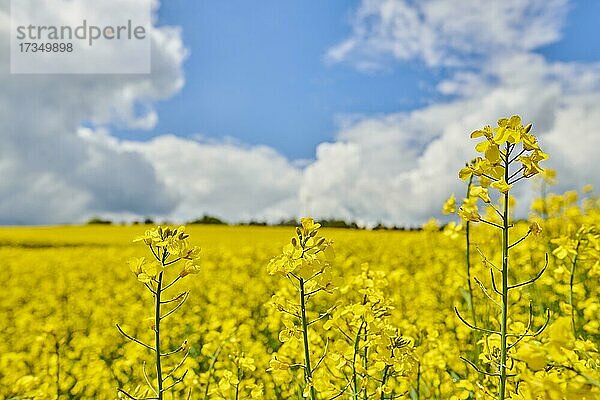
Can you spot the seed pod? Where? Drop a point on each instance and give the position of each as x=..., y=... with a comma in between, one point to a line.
x=298, y=232
x=528, y=128
x=294, y=242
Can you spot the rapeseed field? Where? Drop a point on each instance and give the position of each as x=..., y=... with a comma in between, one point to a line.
x=487, y=306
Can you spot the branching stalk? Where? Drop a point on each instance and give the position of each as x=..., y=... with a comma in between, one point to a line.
x=571, y=282
x=504, y=315
x=160, y=242
x=307, y=370
x=159, y=379
x=468, y=261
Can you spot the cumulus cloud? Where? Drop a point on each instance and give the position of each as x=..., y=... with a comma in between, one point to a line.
x=50, y=173
x=393, y=168
x=232, y=181
x=399, y=168
x=442, y=33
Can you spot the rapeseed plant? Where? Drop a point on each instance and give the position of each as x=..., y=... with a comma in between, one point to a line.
x=169, y=247
x=373, y=358
x=508, y=145
x=582, y=247
x=452, y=229
x=305, y=262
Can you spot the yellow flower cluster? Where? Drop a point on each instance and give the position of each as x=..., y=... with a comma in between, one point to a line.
x=507, y=144
x=175, y=243
x=306, y=255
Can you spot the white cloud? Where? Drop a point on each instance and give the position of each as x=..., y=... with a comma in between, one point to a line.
x=224, y=179
x=395, y=168
x=399, y=168
x=442, y=32
x=50, y=173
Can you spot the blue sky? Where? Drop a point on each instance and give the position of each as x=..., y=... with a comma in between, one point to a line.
x=257, y=73
x=580, y=35
x=357, y=109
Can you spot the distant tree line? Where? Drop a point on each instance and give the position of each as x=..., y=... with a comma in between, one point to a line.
x=213, y=220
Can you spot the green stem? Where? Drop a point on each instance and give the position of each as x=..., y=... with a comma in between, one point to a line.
x=419, y=381
x=237, y=386
x=356, y=348
x=57, y=351
x=157, y=337
x=307, y=367
x=468, y=262
x=365, y=362
x=215, y=356
x=383, y=380
x=504, y=318
x=571, y=281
